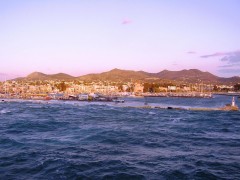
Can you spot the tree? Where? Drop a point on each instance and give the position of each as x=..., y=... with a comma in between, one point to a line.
x=215, y=88
x=237, y=87
x=120, y=87
x=61, y=86
x=151, y=87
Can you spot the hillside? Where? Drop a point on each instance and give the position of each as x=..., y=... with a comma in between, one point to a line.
x=186, y=76
x=118, y=75
x=196, y=76
x=190, y=76
x=41, y=76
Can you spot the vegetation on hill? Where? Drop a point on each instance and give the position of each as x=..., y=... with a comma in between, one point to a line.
x=117, y=75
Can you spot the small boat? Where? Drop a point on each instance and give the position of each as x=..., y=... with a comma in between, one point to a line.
x=48, y=98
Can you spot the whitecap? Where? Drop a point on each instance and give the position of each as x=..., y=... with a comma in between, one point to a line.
x=151, y=113
x=175, y=120
x=4, y=111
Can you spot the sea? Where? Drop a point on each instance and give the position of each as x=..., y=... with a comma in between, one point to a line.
x=107, y=140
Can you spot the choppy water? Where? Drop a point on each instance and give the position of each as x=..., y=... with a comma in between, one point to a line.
x=68, y=140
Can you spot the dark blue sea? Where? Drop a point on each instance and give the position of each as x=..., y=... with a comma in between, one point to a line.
x=82, y=140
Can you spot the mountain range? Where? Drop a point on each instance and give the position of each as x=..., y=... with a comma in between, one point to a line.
x=118, y=75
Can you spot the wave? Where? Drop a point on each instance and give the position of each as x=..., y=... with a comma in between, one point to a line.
x=4, y=111
x=70, y=140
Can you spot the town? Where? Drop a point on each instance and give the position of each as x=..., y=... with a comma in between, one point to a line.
x=106, y=90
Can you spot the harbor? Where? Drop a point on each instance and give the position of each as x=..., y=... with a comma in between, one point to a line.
x=216, y=103
x=57, y=136
x=101, y=96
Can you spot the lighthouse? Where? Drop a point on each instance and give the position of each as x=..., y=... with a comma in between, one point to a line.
x=233, y=102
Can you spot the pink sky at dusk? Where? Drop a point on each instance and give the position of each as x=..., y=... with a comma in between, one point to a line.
x=81, y=37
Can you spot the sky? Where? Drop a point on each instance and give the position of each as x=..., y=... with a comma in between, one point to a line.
x=78, y=37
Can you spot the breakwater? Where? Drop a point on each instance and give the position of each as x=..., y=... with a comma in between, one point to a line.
x=225, y=108
x=179, y=95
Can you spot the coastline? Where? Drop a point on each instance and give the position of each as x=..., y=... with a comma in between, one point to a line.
x=227, y=107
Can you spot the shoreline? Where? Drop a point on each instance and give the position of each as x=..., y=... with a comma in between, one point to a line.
x=225, y=108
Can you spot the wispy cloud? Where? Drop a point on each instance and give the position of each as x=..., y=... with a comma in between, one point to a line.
x=230, y=65
x=230, y=71
x=214, y=55
x=192, y=52
x=231, y=53
x=126, y=21
x=232, y=60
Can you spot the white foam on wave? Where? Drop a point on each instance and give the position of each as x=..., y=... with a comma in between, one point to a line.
x=4, y=111
x=151, y=113
x=175, y=120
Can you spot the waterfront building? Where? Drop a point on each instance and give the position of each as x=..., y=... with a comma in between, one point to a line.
x=172, y=88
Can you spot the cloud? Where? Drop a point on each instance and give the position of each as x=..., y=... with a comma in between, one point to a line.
x=191, y=52
x=231, y=53
x=230, y=65
x=230, y=71
x=231, y=59
x=214, y=55
x=126, y=21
